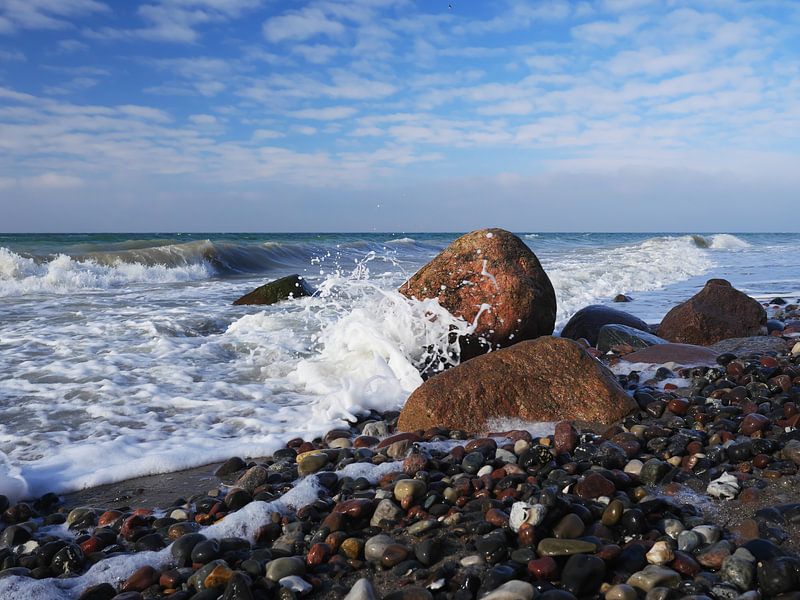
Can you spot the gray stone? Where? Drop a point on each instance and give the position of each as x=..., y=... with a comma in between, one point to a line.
x=512, y=590
x=654, y=576
x=361, y=590
x=386, y=511
x=375, y=546
x=284, y=567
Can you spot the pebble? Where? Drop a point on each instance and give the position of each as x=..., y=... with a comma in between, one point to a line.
x=512, y=590
x=660, y=554
x=556, y=547
x=361, y=590
x=375, y=547
x=522, y=512
x=621, y=591
x=654, y=576
x=583, y=574
x=279, y=568
x=409, y=489
x=295, y=584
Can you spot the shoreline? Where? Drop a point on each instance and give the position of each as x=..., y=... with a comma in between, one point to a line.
x=458, y=524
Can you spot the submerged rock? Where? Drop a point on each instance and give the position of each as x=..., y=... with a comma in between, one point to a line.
x=285, y=288
x=717, y=312
x=612, y=336
x=548, y=379
x=682, y=354
x=490, y=278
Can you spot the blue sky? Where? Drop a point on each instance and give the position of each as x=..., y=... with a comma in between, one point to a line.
x=399, y=115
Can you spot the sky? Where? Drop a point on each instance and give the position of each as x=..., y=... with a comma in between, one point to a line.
x=396, y=115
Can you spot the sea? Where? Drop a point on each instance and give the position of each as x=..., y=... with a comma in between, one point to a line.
x=122, y=355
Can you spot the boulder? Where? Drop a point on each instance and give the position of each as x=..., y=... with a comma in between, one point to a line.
x=715, y=313
x=492, y=277
x=285, y=288
x=547, y=379
x=759, y=344
x=682, y=354
x=587, y=322
x=611, y=336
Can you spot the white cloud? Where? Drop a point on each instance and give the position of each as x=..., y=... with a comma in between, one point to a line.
x=70, y=45
x=605, y=33
x=177, y=21
x=318, y=54
x=203, y=119
x=301, y=25
x=266, y=134
x=145, y=112
x=45, y=14
x=304, y=129
x=52, y=181
x=329, y=113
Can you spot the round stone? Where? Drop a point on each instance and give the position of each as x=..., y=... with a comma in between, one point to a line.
x=284, y=567
x=409, y=488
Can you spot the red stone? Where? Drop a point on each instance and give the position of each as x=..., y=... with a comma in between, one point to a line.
x=318, y=554
x=365, y=441
x=565, y=438
x=543, y=569
x=399, y=437
x=496, y=517
x=754, y=422
x=678, y=406
x=593, y=486
x=141, y=579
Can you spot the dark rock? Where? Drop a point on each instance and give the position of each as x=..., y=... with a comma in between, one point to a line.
x=583, y=574
x=230, y=466
x=622, y=335
x=587, y=322
x=285, y=288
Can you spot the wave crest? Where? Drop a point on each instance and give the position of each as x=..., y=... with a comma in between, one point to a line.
x=720, y=241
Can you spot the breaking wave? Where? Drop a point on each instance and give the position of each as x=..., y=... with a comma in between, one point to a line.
x=720, y=241
x=158, y=262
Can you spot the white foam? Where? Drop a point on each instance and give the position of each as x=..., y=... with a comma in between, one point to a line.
x=726, y=241
x=585, y=276
x=134, y=388
x=12, y=484
x=22, y=275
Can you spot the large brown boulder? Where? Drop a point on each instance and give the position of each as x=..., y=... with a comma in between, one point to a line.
x=491, y=275
x=547, y=379
x=717, y=312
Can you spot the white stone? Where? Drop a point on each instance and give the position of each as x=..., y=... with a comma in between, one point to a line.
x=472, y=560
x=296, y=584
x=512, y=590
x=726, y=486
x=634, y=467
x=485, y=470
x=361, y=590
x=522, y=512
x=796, y=349
x=660, y=554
